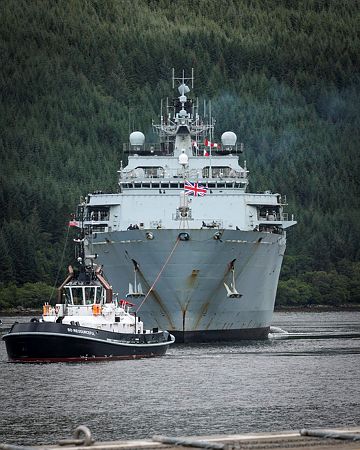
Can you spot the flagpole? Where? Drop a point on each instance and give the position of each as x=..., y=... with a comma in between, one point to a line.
x=197, y=125
x=210, y=119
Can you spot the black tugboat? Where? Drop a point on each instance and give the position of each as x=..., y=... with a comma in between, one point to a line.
x=88, y=323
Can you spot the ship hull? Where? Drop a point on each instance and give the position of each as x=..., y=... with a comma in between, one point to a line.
x=184, y=280
x=54, y=342
x=221, y=335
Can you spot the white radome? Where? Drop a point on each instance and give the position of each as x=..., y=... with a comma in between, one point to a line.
x=228, y=139
x=137, y=138
x=183, y=159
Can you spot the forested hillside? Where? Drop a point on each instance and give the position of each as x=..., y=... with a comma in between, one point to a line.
x=282, y=74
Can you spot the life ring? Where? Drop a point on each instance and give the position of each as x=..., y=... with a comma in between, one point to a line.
x=57, y=309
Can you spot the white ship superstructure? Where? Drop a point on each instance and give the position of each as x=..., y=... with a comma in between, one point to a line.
x=200, y=255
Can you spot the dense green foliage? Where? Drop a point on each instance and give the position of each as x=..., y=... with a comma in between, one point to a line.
x=29, y=295
x=337, y=287
x=283, y=75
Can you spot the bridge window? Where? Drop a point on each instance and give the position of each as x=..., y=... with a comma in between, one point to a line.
x=98, y=214
x=217, y=171
x=150, y=172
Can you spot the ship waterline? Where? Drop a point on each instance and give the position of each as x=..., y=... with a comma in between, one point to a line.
x=187, y=278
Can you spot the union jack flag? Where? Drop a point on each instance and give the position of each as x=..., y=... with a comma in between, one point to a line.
x=194, y=189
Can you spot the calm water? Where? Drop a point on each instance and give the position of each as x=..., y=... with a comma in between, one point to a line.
x=193, y=390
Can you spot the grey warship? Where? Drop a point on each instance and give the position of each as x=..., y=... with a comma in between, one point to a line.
x=200, y=255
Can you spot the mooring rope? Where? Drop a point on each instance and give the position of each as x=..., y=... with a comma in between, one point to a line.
x=159, y=274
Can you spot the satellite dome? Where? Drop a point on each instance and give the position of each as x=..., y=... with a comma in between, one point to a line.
x=137, y=138
x=183, y=89
x=183, y=158
x=228, y=139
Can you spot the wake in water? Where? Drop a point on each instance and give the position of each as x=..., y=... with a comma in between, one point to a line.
x=279, y=333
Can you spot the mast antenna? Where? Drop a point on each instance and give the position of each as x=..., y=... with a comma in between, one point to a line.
x=183, y=79
x=129, y=118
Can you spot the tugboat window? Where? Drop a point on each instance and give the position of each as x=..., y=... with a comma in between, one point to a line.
x=98, y=291
x=89, y=296
x=77, y=296
x=67, y=294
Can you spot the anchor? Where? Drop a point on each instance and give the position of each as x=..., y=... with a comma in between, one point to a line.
x=138, y=292
x=231, y=291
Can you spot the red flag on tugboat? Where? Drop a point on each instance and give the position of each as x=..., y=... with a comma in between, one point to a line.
x=124, y=303
x=194, y=189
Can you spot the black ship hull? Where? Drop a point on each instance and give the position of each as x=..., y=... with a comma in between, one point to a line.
x=221, y=335
x=56, y=342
